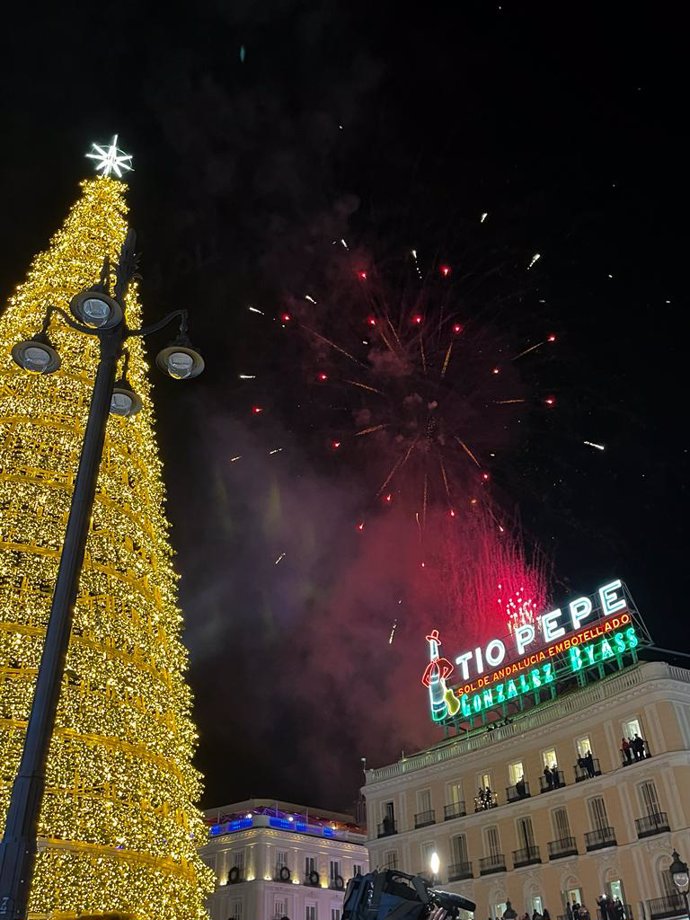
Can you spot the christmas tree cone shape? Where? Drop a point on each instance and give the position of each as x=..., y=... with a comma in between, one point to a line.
x=118, y=829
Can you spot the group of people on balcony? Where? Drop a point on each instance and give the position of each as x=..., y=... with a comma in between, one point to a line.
x=511, y=914
x=610, y=909
x=633, y=749
x=551, y=777
x=586, y=764
x=576, y=911
x=484, y=799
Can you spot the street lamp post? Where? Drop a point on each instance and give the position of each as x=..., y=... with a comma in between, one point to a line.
x=102, y=315
x=680, y=876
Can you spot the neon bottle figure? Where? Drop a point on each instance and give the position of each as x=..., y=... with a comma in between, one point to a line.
x=442, y=701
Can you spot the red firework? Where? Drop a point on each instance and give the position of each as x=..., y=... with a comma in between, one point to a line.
x=420, y=380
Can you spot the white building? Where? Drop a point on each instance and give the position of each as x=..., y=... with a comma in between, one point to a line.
x=277, y=860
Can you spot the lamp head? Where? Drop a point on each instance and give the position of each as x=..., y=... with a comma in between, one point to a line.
x=37, y=354
x=124, y=401
x=96, y=310
x=181, y=360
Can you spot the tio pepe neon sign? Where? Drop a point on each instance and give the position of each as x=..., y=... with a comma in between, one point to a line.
x=489, y=670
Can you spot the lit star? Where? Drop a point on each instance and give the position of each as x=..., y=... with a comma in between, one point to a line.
x=110, y=159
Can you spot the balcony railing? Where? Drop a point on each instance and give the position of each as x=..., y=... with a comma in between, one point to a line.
x=582, y=771
x=600, y=838
x=387, y=827
x=527, y=856
x=489, y=864
x=519, y=791
x=671, y=905
x=557, y=780
x=656, y=823
x=627, y=913
x=458, y=871
x=425, y=818
x=566, y=846
x=454, y=810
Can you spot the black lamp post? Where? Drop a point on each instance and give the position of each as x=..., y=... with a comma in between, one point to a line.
x=680, y=876
x=101, y=314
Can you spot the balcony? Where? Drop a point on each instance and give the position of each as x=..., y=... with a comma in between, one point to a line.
x=458, y=871
x=557, y=781
x=582, y=771
x=312, y=879
x=282, y=874
x=627, y=913
x=517, y=792
x=566, y=846
x=454, y=810
x=656, y=823
x=387, y=828
x=425, y=818
x=672, y=905
x=527, y=856
x=489, y=864
x=600, y=838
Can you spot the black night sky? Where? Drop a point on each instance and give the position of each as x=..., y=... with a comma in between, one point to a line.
x=263, y=131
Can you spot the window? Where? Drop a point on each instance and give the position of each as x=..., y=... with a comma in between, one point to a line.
x=424, y=800
x=597, y=813
x=492, y=844
x=584, y=746
x=454, y=793
x=525, y=833
x=356, y=869
x=310, y=912
x=334, y=870
x=616, y=890
x=537, y=904
x=632, y=727
x=238, y=860
x=484, y=781
x=574, y=895
x=426, y=849
x=549, y=759
x=648, y=797
x=458, y=849
x=390, y=859
x=282, y=860
x=309, y=865
x=515, y=772
x=561, y=824
x=388, y=811
x=280, y=908
x=499, y=909
x=335, y=913
x=236, y=910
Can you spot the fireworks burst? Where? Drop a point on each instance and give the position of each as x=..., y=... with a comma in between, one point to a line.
x=416, y=380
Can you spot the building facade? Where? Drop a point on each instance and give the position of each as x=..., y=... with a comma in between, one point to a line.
x=600, y=821
x=276, y=860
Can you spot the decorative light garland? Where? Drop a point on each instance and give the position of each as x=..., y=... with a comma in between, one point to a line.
x=118, y=829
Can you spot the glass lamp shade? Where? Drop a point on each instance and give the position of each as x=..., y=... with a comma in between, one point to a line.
x=124, y=401
x=181, y=362
x=96, y=310
x=36, y=355
x=679, y=872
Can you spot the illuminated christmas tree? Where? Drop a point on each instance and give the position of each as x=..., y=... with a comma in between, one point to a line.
x=118, y=828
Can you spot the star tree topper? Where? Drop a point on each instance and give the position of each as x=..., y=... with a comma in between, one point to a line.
x=110, y=159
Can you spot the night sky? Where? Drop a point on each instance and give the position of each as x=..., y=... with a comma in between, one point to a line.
x=263, y=131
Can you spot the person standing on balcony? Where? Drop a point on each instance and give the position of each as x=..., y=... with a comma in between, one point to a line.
x=626, y=751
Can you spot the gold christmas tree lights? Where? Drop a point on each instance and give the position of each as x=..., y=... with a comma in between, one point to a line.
x=118, y=828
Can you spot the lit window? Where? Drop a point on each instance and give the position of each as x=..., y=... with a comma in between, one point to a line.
x=515, y=772
x=390, y=858
x=549, y=759
x=484, y=781
x=584, y=746
x=631, y=728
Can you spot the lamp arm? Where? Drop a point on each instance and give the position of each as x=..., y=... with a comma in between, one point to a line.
x=161, y=324
x=68, y=319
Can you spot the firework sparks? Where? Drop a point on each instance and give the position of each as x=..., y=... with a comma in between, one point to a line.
x=280, y=558
x=595, y=445
x=392, y=635
x=247, y=376
x=309, y=298
x=535, y=258
x=483, y=217
x=256, y=310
